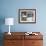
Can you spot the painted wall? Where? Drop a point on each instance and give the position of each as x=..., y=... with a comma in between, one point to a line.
x=9, y=8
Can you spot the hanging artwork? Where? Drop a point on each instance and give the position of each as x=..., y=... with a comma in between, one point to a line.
x=27, y=15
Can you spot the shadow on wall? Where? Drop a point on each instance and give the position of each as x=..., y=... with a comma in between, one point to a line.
x=2, y=21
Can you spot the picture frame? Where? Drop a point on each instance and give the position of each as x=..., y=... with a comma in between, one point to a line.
x=27, y=15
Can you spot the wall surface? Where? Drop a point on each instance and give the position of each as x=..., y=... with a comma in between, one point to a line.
x=9, y=8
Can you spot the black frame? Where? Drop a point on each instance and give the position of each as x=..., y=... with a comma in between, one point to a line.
x=29, y=15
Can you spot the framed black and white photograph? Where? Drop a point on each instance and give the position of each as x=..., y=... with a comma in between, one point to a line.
x=27, y=15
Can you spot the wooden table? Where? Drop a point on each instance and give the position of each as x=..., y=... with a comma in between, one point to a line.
x=20, y=39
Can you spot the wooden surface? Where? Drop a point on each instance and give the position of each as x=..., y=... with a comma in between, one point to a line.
x=20, y=39
x=33, y=43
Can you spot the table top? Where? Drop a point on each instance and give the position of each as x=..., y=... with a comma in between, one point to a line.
x=22, y=35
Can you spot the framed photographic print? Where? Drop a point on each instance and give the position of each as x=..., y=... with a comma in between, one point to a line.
x=27, y=15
